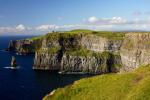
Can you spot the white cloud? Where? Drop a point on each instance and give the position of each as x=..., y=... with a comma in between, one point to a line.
x=106, y=21
x=93, y=23
x=119, y=23
x=117, y=20
x=20, y=27
x=16, y=29
x=46, y=27
x=93, y=19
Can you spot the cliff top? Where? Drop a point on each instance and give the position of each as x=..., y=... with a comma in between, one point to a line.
x=125, y=86
x=78, y=32
x=106, y=34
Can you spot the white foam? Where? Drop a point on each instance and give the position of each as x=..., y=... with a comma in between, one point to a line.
x=12, y=67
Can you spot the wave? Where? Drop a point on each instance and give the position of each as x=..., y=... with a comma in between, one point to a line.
x=9, y=67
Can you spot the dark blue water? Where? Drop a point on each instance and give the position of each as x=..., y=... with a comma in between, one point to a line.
x=25, y=83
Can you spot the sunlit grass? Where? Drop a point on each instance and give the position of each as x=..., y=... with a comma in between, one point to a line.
x=120, y=86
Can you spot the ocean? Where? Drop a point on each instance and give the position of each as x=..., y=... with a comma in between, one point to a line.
x=26, y=83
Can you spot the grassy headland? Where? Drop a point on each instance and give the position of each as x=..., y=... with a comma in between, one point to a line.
x=121, y=86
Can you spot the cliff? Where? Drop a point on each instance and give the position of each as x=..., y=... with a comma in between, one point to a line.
x=87, y=51
x=135, y=50
x=25, y=46
x=78, y=53
x=94, y=63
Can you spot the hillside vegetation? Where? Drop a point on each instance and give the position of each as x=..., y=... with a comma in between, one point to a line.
x=67, y=34
x=122, y=86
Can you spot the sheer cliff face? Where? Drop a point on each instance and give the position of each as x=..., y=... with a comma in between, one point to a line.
x=45, y=60
x=103, y=63
x=67, y=55
x=100, y=44
x=24, y=46
x=87, y=53
x=49, y=56
x=135, y=50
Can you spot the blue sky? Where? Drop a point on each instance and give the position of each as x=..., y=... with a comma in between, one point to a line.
x=41, y=16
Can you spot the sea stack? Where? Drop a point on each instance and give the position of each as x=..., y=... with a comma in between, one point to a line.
x=13, y=62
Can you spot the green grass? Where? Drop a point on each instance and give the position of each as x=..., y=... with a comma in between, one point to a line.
x=36, y=38
x=77, y=32
x=57, y=35
x=52, y=50
x=87, y=53
x=110, y=35
x=79, y=52
x=83, y=32
x=122, y=86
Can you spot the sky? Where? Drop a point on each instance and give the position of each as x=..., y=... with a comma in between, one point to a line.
x=32, y=17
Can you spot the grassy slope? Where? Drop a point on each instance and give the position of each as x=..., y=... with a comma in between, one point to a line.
x=126, y=86
x=106, y=34
x=110, y=35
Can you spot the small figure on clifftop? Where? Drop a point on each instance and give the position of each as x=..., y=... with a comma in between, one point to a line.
x=13, y=62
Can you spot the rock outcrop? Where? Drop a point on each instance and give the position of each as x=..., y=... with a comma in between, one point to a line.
x=45, y=59
x=101, y=44
x=25, y=46
x=13, y=62
x=96, y=64
x=135, y=50
x=78, y=53
x=94, y=53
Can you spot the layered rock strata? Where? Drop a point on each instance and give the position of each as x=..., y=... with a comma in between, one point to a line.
x=87, y=53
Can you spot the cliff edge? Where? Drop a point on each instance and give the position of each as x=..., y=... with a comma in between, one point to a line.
x=77, y=52
x=93, y=52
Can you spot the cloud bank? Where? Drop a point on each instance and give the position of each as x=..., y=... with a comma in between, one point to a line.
x=16, y=29
x=94, y=23
x=106, y=21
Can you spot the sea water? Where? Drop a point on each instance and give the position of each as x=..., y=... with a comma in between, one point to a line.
x=25, y=83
